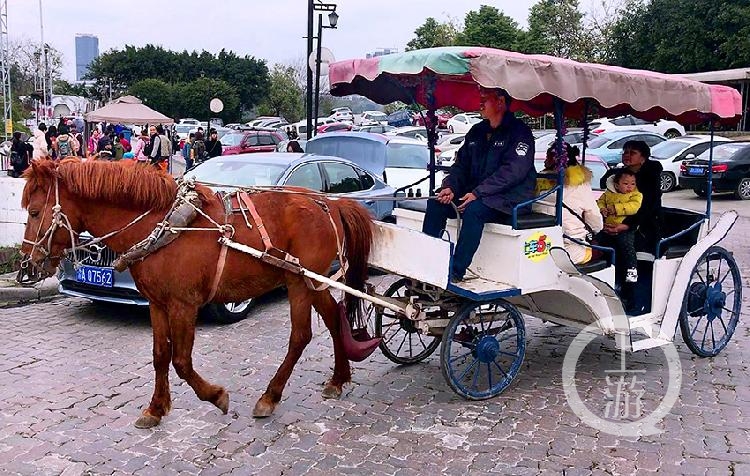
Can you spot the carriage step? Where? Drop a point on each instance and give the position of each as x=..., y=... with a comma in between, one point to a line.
x=649, y=343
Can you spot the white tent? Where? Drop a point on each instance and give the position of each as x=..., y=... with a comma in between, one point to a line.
x=128, y=109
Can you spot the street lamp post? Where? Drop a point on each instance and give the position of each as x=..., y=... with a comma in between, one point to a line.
x=333, y=19
x=312, y=6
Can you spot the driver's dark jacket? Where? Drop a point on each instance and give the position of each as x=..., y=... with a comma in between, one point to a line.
x=497, y=165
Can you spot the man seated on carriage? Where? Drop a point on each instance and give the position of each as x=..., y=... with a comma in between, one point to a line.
x=493, y=172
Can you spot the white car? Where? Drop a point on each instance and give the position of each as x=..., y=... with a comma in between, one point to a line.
x=342, y=114
x=672, y=152
x=461, y=123
x=668, y=129
x=190, y=120
x=373, y=117
x=412, y=132
x=301, y=127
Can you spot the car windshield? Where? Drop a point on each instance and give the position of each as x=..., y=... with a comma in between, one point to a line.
x=183, y=128
x=600, y=141
x=667, y=149
x=725, y=151
x=377, y=116
x=233, y=172
x=598, y=170
x=231, y=140
x=409, y=156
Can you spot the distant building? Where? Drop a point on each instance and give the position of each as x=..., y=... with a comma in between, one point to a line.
x=382, y=52
x=87, y=49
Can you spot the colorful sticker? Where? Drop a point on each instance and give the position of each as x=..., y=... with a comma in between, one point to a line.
x=537, y=246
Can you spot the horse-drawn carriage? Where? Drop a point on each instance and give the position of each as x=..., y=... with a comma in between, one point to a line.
x=244, y=243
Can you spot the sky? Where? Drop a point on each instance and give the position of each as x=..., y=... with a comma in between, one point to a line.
x=273, y=30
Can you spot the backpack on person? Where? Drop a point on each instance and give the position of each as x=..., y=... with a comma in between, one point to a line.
x=64, y=147
x=166, y=146
x=199, y=150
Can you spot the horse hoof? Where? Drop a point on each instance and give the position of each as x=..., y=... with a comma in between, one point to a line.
x=263, y=409
x=147, y=421
x=331, y=391
x=222, y=403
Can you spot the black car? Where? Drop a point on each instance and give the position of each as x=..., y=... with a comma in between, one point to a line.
x=731, y=171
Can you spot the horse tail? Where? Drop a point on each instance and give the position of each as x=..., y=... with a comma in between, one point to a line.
x=358, y=242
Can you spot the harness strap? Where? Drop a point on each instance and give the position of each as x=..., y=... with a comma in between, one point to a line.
x=219, y=267
x=256, y=218
x=344, y=265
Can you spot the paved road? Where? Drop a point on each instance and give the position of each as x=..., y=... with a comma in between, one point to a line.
x=74, y=376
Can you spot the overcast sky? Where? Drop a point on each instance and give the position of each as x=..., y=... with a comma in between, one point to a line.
x=267, y=29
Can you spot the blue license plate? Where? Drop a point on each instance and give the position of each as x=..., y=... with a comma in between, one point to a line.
x=696, y=170
x=94, y=275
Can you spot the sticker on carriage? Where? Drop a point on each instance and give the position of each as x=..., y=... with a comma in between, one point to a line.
x=622, y=399
x=536, y=247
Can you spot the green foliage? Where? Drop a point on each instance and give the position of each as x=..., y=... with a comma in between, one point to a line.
x=247, y=75
x=191, y=99
x=556, y=28
x=491, y=28
x=433, y=34
x=285, y=97
x=157, y=95
x=682, y=36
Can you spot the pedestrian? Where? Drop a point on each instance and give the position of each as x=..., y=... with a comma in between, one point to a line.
x=51, y=136
x=19, y=155
x=78, y=138
x=118, y=151
x=293, y=146
x=187, y=151
x=166, y=147
x=65, y=145
x=125, y=142
x=93, y=144
x=139, y=152
x=213, y=145
x=154, y=147
x=40, y=142
x=493, y=172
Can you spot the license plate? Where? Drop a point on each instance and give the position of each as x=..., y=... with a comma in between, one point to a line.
x=696, y=170
x=97, y=276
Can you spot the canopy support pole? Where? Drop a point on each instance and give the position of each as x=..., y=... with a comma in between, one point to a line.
x=585, y=145
x=709, y=184
x=559, y=124
x=430, y=123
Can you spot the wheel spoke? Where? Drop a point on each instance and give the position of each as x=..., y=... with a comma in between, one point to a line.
x=698, y=273
x=453, y=359
x=730, y=311
x=476, y=361
x=705, y=333
x=726, y=332
x=730, y=292
x=411, y=347
x=500, y=368
x=489, y=375
x=475, y=378
x=713, y=337
x=729, y=271
x=481, y=321
x=402, y=343
x=696, y=327
x=515, y=356
x=419, y=334
x=394, y=335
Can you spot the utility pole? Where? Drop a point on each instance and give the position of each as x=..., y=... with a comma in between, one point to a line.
x=44, y=63
x=308, y=96
x=5, y=73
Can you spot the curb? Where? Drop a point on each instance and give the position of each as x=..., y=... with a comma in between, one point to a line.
x=13, y=294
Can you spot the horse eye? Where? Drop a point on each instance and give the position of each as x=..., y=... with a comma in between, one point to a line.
x=33, y=213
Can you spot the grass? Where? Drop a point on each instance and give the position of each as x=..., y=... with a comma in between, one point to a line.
x=10, y=259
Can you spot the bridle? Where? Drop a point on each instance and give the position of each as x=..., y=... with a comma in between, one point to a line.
x=30, y=272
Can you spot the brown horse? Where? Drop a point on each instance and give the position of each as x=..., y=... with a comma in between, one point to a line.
x=102, y=197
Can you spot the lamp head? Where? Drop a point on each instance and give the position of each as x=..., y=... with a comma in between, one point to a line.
x=333, y=19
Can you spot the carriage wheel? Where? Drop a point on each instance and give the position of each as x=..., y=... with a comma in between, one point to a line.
x=711, y=307
x=483, y=348
x=402, y=342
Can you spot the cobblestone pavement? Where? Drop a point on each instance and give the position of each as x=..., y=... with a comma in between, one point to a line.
x=74, y=376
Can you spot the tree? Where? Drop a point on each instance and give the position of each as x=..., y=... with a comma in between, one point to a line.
x=284, y=96
x=683, y=36
x=192, y=99
x=556, y=28
x=433, y=33
x=25, y=59
x=156, y=94
x=491, y=28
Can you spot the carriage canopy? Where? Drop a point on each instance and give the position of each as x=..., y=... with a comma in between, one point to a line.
x=437, y=77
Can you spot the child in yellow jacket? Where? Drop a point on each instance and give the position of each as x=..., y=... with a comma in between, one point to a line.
x=621, y=199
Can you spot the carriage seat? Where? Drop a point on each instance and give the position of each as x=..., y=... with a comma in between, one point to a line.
x=675, y=220
x=593, y=266
x=525, y=222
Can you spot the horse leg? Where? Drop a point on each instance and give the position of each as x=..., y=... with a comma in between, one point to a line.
x=161, y=401
x=327, y=308
x=300, y=300
x=182, y=322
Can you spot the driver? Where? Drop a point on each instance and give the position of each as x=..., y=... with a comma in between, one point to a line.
x=493, y=172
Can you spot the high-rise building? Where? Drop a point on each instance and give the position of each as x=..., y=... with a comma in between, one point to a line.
x=87, y=49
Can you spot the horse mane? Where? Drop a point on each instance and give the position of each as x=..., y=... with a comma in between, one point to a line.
x=119, y=183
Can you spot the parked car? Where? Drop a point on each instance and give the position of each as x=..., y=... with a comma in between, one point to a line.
x=400, y=161
x=672, y=152
x=374, y=128
x=370, y=117
x=342, y=114
x=412, y=132
x=324, y=174
x=262, y=121
x=668, y=129
x=461, y=123
x=399, y=118
x=545, y=138
x=442, y=116
x=731, y=170
x=301, y=127
x=597, y=166
x=335, y=126
x=183, y=130
x=283, y=144
x=608, y=145
x=251, y=141
x=190, y=121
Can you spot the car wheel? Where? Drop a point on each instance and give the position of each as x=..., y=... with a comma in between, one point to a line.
x=700, y=193
x=672, y=133
x=667, y=182
x=227, y=313
x=743, y=189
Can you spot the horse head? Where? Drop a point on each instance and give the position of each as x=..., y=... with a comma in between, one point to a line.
x=54, y=219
